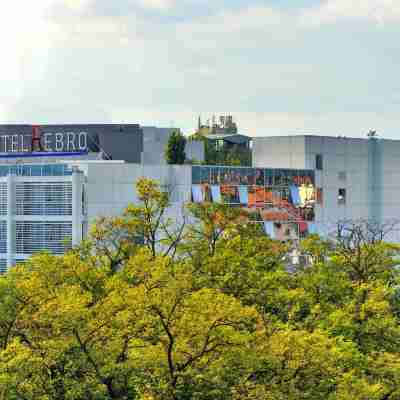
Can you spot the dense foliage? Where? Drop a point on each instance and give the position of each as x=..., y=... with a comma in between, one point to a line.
x=148, y=310
x=234, y=156
x=175, y=151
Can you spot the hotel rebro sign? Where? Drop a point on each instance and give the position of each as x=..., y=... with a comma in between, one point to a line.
x=44, y=141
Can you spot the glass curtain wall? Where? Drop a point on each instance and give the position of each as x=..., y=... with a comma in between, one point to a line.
x=282, y=199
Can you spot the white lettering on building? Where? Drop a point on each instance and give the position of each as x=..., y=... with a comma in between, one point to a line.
x=82, y=141
x=47, y=141
x=14, y=143
x=69, y=141
x=59, y=145
x=5, y=137
x=23, y=148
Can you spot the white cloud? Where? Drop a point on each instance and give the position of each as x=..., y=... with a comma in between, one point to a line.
x=373, y=11
x=75, y=4
x=162, y=5
x=23, y=39
x=271, y=68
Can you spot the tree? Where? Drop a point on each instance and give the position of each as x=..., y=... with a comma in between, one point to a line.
x=175, y=151
x=209, y=311
x=79, y=332
x=117, y=318
x=234, y=156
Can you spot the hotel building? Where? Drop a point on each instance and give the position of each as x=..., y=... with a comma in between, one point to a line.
x=52, y=190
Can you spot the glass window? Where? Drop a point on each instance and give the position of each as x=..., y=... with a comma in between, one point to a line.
x=305, y=177
x=287, y=175
x=277, y=177
x=268, y=195
x=197, y=193
x=269, y=177
x=236, y=176
x=214, y=175
x=205, y=175
x=276, y=198
x=320, y=196
x=196, y=175
x=285, y=194
x=296, y=178
x=252, y=196
x=259, y=177
x=319, y=162
x=245, y=176
x=224, y=175
x=342, y=196
x=308, y=178
x=235, y=199
x=46, y=170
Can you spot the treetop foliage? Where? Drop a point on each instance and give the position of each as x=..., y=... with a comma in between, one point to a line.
x=175, y=151
x=149, y=309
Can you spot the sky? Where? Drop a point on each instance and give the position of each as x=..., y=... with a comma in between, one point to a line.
x=326, y=67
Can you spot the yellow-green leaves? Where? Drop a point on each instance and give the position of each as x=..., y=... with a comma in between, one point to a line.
x=210, y=313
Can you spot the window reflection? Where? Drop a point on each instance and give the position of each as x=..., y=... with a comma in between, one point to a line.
x=205, y=175
x=269, y=177
x=285, y=194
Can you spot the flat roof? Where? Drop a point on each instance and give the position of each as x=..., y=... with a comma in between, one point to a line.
x=308, y=135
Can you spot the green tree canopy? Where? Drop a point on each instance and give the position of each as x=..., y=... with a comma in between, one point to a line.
x=175, y=151
x=208, y=311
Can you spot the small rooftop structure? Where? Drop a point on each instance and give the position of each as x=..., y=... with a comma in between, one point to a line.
x=225, y=125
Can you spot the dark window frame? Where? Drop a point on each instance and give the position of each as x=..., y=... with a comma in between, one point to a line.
x=319, y=162
x=341, y=196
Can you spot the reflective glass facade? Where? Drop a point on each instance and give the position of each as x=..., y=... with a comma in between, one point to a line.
x=278, y=195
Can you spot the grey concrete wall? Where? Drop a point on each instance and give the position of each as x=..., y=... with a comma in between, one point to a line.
x=279, y=152
x=371, y=178
x=371, y=171
x=372, y=183
x=155, y=142
x=195, y=150
x=387, y=184
x=345, y=165
x=110, y=187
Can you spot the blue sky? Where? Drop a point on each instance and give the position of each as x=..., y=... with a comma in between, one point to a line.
x=280, y=67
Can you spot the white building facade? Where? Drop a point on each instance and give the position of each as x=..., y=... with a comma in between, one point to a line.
x=56, y=179
x=40, y=208
x=50, y=206
x=298, y=185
